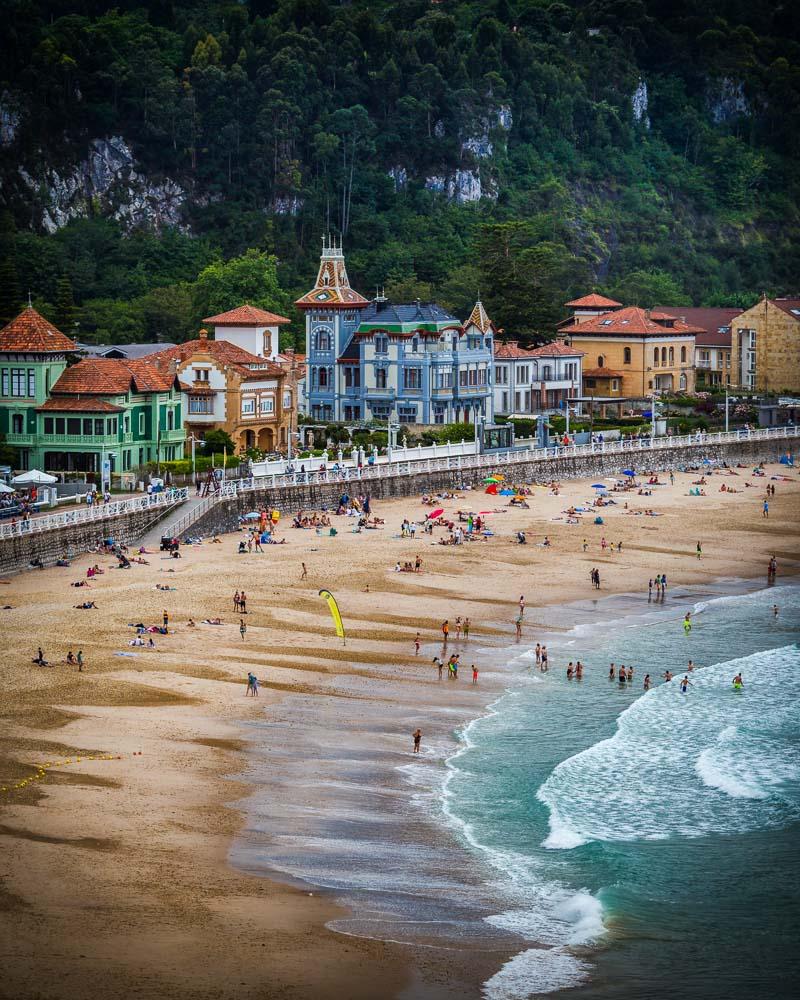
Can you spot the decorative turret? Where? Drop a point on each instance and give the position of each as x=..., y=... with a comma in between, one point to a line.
x=479, y=319
x=332, y=287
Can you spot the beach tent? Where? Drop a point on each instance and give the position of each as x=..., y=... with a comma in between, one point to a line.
x=436, y=513
x=507, y=493
x=253, y=515
x=6, y=489
x=492, y=489
x=34, y=478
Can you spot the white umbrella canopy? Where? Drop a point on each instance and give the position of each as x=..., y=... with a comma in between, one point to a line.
x=34, y=478
x=6, y=489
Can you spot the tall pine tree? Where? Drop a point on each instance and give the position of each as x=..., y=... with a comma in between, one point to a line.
x=9, y=283
x=65, y=306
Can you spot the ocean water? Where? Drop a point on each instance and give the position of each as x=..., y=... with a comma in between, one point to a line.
x=644, y=844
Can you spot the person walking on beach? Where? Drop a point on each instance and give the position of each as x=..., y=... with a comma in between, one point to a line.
x=649, y=591
x=165, y=619
x=585, y=545
x=765, y=510
x=519, y=627
x=445, y=632
x=466, y=629
x=304, y=573
x=671, y=483
x=544, y=666
x=521, y=605
x=79, y=659
x=458, y=627
x=243, y=603
x=236, y=602
x=474, y=674
x=699, y=550
x=242, y=628
x=250, y=688
x=416, y=644
x=538, y=655
x=439, y=664
x=417, y=737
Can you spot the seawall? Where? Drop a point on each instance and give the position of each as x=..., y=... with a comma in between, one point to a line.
x=225, y=515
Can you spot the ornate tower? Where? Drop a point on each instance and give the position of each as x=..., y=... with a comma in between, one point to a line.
x=333, y=311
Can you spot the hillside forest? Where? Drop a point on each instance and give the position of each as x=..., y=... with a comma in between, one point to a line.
x=164, y=160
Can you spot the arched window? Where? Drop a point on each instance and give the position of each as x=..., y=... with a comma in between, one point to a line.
x=683, y=355
x=323, y=340
x=664, y=357
x=655, y=357
x=682, y=380
x=671, y=356
x=547, y=373
x=627, y=355
x=267, y=347
x=601, y=361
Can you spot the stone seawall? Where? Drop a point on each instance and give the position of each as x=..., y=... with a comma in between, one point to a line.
x=70, y=540
x=225, y=515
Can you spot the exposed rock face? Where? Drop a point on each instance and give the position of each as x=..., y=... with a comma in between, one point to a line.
x=726, y=100
x=287, y=204
x=400, y=177
x=107, y=183
x=463, y=186
x=639, y=104
x=10, y=117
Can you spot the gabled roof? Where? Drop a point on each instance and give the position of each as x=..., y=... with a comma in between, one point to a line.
x=223, y=351
x=601, y=373
x=479, y=318
x=593, y=301
x=715, y=323
x=557, y=349
x=122, y=350
x=247, y=315
x=79, y=404
x=631, y=321
x=113, y=376
x=791, y=306
x=31, y=333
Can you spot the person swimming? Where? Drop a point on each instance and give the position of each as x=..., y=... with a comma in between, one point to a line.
x=738, y=683
x=647, y=682
x=685, y=684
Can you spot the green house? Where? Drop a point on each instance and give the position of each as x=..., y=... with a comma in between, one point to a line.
x=74, y=417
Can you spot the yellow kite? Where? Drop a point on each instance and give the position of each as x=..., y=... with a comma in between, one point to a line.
x=335, y=614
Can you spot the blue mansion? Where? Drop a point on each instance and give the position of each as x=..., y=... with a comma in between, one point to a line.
x=414, y=363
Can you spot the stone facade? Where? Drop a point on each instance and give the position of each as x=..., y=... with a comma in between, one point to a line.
x=765, y=346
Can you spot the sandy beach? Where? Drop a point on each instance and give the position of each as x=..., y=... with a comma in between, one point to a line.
x=116, y=873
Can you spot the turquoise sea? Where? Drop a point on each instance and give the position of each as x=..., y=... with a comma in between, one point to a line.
x=648, y=842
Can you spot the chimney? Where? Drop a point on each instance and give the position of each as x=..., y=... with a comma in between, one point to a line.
x=203, y=335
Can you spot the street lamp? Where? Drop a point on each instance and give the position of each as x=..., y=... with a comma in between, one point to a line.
x=726, y=409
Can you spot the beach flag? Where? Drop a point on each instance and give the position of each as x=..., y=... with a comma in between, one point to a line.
x=335, y=614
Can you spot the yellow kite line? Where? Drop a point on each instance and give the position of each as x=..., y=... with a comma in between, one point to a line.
x=334, y=608
x=42, y=769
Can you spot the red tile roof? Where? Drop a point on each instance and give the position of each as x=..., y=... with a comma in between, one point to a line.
x=601, y=373
x=507, y=351
x=247, y=315
x=714, y=322
x=111, y=376
x=81, y=404
x=222, y=351
x=593, y=301
x=788, y=305
x=631, y=321
x=31, y=333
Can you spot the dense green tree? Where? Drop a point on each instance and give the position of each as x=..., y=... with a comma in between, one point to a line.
x=216, y=442
x=251, y=278
x=10, y=298
x=65, y=311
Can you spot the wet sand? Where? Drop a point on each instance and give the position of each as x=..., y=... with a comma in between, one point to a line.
x=116, y=873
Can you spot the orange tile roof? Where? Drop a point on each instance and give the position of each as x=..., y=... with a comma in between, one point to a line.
x=223, y=351
x=31, y=333
x=511, y=350
x=78, y=403
x=601, y=373
x=110, y=376
x=247, y=315
x=632, y=321
x=593, y=301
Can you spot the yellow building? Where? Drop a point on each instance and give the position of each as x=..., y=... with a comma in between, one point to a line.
x=633, y=352
x=765, y=346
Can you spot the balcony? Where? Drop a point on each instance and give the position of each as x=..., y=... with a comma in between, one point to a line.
x=87, y=439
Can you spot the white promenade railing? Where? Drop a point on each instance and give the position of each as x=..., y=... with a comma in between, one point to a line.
x=97, y=512
x=497, y=460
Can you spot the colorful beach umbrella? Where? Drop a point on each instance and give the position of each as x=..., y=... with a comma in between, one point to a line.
x=436, y=513
x=599, y=486
x=628, y=472
x=492, y=489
